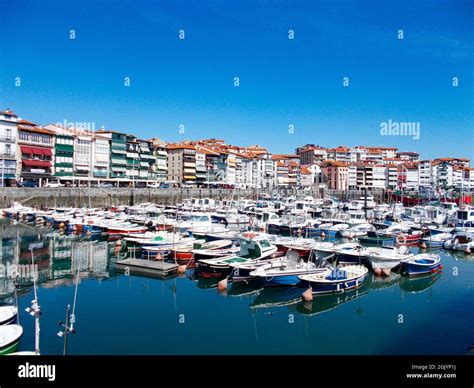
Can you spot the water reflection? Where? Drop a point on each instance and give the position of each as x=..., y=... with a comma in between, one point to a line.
x=57, y=259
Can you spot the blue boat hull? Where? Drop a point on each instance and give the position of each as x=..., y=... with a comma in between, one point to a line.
x=285, y=280
x=414, y=269
x=342, y=286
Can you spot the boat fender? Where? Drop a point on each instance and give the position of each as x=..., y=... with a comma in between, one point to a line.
x=308, y=295
x=222, y=285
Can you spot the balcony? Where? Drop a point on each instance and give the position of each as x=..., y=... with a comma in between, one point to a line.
x=7, y=139
x=7, y=155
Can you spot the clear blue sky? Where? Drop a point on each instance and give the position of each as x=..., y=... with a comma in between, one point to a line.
x=282, y=81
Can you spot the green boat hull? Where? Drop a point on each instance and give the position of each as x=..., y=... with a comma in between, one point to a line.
x=10, y=348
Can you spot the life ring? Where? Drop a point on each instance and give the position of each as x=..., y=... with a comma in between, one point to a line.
x=401, y=239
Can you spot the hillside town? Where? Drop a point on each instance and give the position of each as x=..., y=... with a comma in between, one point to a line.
x=34, y=155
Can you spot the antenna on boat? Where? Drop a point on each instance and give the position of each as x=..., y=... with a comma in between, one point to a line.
x=35, y=309
x=70, y=318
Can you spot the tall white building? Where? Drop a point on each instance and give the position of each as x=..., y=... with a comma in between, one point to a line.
x=8, y=154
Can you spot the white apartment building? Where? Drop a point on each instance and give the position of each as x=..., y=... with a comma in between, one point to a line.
x=379, y=176
x=8, y=154
x=83, y=156
x=424, y=172
x=391, y=176
x=352, y=177
x=100, y=157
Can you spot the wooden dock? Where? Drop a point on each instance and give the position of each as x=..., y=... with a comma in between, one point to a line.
x=153, y=268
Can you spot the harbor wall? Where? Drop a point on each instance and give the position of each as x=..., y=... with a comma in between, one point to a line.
x=100, y=197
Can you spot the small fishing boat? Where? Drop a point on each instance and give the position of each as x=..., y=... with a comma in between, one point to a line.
x=185, y=253
x=10, y=336
x=336, y=279
x=460, y=242
x=8, y=315
x=357, y=230
x=203, y=254
x=436, y=240
x=421, y=264
x=384, y=259
x=253, y=247
x=202, y=231
x=285, y=272
x=373, y=238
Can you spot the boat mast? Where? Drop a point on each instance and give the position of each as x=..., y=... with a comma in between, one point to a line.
x=35, y=309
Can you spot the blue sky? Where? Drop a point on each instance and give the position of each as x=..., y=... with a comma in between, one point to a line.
x=282, y=81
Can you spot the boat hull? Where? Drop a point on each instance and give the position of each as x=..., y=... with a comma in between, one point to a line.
x=330, y=288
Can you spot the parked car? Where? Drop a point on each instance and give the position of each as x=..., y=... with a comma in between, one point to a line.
x=28, y=184
x=54, y=184
x=105, y=185
x=154, y=185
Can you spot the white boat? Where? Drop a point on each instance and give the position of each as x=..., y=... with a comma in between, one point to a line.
x=253, y=247
x=8, y=315
x=460, y=242
x=285, y=272
x=357, y=230
x=436, y=240
x=193, y=220
x=367, y=202
x=10, y=336
x=386, y=258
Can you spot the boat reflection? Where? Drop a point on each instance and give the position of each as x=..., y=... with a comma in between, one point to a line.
x=382, y=282
x=323, y=303
x=277, y=297
x=419, y=283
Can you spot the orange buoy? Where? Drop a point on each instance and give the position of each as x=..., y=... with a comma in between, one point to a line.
x=61, y=225
x=308, y=295
x=182, y=269
x=323, y=234
x=222, y=285
x=468, y=251
x=378, y=271
x=423, y=245
x=440, y=267
x=386, y=271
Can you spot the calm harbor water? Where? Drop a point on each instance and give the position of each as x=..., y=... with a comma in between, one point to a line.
x=119, y=314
